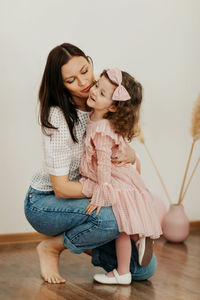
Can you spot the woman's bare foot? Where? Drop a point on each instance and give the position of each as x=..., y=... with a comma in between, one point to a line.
x=49, y=253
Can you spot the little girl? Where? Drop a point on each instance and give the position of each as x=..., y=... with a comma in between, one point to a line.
x=115, y=100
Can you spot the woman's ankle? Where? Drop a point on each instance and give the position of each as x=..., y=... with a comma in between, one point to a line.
x=54, y=243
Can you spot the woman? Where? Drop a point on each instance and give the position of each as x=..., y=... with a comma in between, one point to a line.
x=54, y=204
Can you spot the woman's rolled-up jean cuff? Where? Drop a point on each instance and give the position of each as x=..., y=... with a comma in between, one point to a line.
x=70, y=246
x=78, y=249
x=89, y=235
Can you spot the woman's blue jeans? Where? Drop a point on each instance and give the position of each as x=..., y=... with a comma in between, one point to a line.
x=52, y=216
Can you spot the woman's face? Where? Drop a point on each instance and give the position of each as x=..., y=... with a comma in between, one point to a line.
x=78, y=77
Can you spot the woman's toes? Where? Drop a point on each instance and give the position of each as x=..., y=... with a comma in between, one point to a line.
x=50, y=280
x=56, y=280
x=60, y=280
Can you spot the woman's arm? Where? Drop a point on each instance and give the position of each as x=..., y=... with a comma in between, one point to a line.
x=64, y=188
x=129, y=157
x=58, y=156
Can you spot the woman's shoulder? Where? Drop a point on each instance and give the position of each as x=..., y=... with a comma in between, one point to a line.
x=55, y=111
x=56, y=116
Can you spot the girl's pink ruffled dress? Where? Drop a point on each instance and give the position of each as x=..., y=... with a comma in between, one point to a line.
x=121, y=187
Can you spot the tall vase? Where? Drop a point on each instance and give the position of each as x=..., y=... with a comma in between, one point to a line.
x=176, y=224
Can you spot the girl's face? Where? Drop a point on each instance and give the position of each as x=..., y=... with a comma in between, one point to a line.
x=100, y=96
x=78, y=77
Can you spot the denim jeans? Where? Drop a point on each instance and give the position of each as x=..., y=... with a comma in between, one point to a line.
x=52, y=216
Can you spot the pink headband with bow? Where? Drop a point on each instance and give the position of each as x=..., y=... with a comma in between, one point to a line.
x=120, y=93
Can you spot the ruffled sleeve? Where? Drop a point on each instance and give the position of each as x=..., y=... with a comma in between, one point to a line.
x=103, y=145
x=103, y=139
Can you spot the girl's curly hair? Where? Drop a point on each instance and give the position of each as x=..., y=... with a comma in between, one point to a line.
x=125, y=120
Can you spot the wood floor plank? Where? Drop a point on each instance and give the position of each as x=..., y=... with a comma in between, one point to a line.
x=177, y=276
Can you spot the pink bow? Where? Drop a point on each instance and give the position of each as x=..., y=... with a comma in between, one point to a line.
x=120, y=93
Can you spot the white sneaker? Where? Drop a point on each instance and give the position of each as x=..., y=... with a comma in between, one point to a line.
x=145, y=250
x=117, y=279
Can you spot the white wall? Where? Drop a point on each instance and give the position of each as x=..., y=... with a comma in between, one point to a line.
x=157, y=41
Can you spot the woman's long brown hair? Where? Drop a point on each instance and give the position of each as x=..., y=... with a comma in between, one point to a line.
x=52, y=91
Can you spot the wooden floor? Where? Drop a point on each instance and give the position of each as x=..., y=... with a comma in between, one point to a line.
x=177, y=276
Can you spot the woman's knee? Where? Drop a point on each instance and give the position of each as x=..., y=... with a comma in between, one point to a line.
x=105, y=218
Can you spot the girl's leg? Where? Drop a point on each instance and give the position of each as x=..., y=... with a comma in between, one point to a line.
x=105, y=257
x=135, y=237
x=145, y=250
x=123, y=251
x=144, y=247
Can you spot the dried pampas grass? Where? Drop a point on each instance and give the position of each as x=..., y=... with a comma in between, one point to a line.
x=190, y=179
x=142, y=141
x=195, y=132
x=195, y=122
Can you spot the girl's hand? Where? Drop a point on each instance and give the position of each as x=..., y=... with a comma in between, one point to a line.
x=90, y=208
x=128, y=157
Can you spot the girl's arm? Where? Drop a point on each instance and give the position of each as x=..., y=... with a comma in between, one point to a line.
x=103, y=189
x=64, y=188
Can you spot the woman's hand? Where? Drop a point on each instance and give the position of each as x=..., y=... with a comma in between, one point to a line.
x=128, y=157
x=90, y=208
x=64, y=188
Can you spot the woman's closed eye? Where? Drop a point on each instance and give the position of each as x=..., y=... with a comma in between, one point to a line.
x=73, y=79
x=84, y=72
x=70, y=81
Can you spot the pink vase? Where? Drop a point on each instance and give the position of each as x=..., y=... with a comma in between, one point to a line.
x=176, y=224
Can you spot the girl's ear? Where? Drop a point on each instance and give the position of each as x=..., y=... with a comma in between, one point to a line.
x=112, y=108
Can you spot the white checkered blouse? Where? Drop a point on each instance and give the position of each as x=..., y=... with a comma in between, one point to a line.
x=61, y=155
